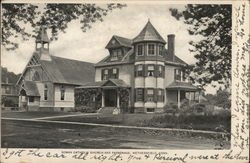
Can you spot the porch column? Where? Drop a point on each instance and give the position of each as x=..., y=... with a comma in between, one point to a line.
x=179, y=99
x=118, y=99
x=129, y=98
x=103, y=99
x=190, y=97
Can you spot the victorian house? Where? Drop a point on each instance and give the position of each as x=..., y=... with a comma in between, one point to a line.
x=47, y=82
x=141, y=73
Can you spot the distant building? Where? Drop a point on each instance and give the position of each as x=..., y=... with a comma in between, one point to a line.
x=48, y=82
x=139, y=73
x=9, y=96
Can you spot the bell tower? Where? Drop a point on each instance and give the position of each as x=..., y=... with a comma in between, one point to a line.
x=42, y=44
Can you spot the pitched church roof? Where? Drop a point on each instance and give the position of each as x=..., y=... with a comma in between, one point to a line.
x=149, y=33
x=42, y=36
x=67, y=71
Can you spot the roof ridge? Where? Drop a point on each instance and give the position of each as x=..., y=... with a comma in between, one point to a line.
x=71, y=59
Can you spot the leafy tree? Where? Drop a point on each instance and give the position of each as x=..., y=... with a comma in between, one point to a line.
x=16, y=17
x=213, y=51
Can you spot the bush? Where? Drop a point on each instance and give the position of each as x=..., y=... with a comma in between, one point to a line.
x=85, y=109
x=198, y=122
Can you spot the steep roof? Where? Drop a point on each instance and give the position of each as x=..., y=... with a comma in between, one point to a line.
x=124, y=41
x=42, y=36
x=149, y=33
x=62, y=70
x=119, y=41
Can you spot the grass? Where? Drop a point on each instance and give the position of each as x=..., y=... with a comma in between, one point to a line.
x=35, y=114
x=21, y=134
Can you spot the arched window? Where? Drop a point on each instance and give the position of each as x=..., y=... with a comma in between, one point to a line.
x=36, y=76
x=45, y=92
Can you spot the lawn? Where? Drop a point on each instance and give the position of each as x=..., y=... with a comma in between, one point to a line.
x=35, y=114
x=23, y=134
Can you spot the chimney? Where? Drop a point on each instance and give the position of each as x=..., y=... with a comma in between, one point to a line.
x=171, y=46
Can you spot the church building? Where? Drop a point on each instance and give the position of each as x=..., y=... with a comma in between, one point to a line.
x=48, y=82
x=142, y=74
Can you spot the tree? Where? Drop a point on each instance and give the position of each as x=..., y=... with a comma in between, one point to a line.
x=213, y=51
x=16, y=17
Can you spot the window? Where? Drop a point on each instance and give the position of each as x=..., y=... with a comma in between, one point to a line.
x=151, y=70
x=151, y=49
x=114, y=56
x=105, y=74
x=7, y=90
x=114, y=74
x=62, y=93
x=140, y=70
x=161, y=47
x=150, y=110
x=139, y=94
x=160, y=68
x=140, y=50
x=177, y=74
x=160, y=95
x=31, y=99
x=150, y=94
x=45, y=92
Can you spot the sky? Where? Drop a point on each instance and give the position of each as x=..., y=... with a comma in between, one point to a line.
x=90, y=46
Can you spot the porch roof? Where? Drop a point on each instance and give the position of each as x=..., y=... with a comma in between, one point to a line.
x=117, y=83
x=182, y=86
x=30, y=88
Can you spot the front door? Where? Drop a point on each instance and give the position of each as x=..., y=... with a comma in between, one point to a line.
x=110, y=97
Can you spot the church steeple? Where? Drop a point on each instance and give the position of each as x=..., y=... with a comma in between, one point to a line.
x=42, y=39
x=42, y=44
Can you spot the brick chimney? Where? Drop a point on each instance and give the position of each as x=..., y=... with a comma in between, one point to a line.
x=171, y=46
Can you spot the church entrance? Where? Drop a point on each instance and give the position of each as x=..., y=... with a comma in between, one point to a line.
x=110, y=97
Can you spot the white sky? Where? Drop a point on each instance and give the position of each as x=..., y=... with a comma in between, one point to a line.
x=90, y=46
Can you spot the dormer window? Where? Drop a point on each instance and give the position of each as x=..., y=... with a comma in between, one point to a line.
x=140, y=50
x=151, y=49
x=161, y=47
x=115, y=54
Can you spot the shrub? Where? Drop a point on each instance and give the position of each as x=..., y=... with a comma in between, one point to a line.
x=85, y=109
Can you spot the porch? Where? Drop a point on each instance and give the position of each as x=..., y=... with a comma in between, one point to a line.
x=107, y=95
x=178, y=92
x=29, y=97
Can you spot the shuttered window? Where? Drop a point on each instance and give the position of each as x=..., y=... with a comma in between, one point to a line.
x=150, y=94
x=160, y=95
x=139, y=94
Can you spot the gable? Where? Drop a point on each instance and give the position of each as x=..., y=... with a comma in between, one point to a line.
x=113, y=43
x=109, y=83
x=33, y=71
